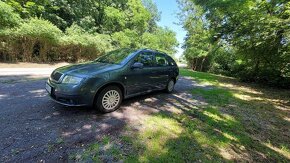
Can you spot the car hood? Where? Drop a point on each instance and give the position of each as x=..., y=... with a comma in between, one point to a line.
x=87, y=69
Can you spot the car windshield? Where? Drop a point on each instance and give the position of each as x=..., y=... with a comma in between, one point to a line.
x=116, y=56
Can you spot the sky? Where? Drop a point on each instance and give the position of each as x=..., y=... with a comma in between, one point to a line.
x=169, y=10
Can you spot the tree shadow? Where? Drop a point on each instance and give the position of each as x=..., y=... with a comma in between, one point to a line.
x=211, y=131
x=233, y=128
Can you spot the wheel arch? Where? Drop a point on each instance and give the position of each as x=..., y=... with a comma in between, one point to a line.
x=174, y=79
x=118, y=84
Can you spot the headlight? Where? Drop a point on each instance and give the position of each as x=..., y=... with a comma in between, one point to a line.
x=71, y=80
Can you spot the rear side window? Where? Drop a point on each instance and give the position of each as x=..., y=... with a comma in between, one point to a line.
x=161, y=60
x=146, y=58
x=171, y=62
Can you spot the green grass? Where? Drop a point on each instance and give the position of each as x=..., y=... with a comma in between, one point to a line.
x=237, y=122
x=242, y=113
x=201, y=77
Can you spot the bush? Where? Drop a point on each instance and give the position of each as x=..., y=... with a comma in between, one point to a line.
x=37, y=37
x=40, y=29
x=39, y=40
x=223, y=61
x=78, y=44
x=9, y=45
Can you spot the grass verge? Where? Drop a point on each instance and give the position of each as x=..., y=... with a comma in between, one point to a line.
x=237, y=122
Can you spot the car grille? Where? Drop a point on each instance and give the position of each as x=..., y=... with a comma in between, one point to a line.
x=56, y=76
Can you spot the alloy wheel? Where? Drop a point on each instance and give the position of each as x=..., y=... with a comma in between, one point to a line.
x=111, y=100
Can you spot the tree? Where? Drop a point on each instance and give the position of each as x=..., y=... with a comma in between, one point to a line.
x=257, y=30
x=81, y=29
x=8, y=19
x=155, y=14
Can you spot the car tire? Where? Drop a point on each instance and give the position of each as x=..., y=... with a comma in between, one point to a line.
x=109, y=99
x=170, y=86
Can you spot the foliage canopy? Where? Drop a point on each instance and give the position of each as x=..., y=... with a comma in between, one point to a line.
x=71, y=30
x=248, y=38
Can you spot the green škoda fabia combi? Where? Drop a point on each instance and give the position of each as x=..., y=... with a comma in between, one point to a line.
x=118, y=75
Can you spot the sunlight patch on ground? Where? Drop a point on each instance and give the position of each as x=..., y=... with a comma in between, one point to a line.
x=247, y=97
x=87, y=127
x=226, y=154
x=284, y=151
x=231, y=137
x=283, y=108
x=240, y=88
x=151, y=140
x=3, y=96
x=152, y=99
x=189, y=103
x=213, y=116
x=37, y=91
x=287, y=119
x=234, y=155
x=69, y=133
x=201, y=138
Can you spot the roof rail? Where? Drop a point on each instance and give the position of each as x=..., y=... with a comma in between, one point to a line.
x=154, y=50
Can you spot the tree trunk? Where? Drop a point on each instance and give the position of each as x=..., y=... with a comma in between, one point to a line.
x=43, y=51
x=27, y=46
x=195, y=65
x=192, y=64
x=257, y=67
x=201, y=66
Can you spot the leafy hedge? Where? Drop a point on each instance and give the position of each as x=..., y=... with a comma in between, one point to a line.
x=40, y=32
x=38, y=40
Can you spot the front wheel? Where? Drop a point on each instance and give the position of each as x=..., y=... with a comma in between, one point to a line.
x=170, y=86
x=109, y=99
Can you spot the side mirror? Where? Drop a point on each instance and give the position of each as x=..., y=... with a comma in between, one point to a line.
x=137, y=65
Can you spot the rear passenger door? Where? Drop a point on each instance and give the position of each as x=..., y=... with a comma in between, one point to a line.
x=162, y=71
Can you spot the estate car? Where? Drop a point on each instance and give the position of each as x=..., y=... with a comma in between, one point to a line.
x=106, y=81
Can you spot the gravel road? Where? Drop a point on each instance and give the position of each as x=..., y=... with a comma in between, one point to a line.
x=35, y=129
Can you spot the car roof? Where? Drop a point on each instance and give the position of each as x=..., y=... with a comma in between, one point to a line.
x=155, y=51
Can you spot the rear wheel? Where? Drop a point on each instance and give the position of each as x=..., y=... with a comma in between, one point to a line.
x=109, y=99
x=170, y=86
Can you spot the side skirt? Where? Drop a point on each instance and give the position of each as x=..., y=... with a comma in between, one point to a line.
x=141, y=93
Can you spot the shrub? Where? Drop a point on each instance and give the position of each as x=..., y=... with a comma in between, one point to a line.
x=39, y=40
x=39, y=29
x=78, y=44
x=37, y=37
x=9, y=45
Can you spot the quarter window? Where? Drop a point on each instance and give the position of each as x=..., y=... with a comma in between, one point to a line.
x=171, y=62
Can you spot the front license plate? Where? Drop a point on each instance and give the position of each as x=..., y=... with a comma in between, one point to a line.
x=48, y=88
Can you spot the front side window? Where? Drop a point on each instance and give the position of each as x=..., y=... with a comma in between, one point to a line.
x=146, y=58
x=116, y=56
x=161, y=60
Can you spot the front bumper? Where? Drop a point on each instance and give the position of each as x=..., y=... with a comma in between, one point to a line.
x=65, y=99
